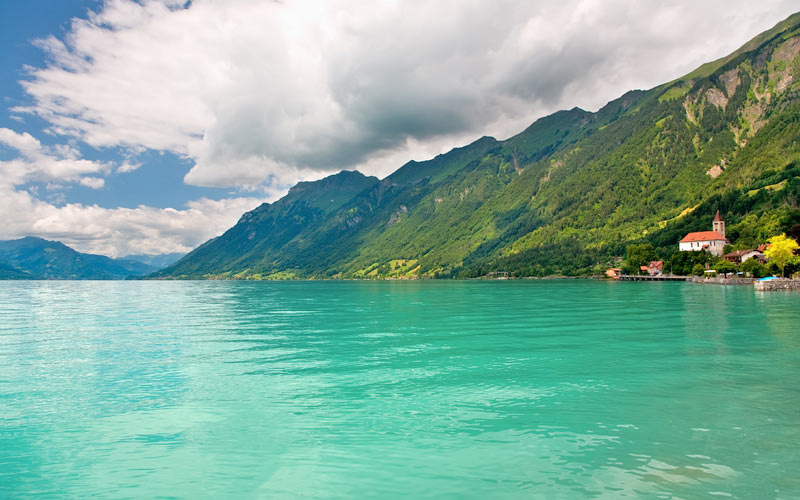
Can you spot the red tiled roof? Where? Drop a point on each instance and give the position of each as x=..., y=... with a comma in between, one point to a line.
x=717, y=217
x=703, y=236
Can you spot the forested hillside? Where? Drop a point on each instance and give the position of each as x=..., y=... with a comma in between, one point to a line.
x=563, y=197
x=35, y=258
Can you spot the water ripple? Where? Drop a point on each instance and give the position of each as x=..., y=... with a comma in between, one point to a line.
x=570, y=389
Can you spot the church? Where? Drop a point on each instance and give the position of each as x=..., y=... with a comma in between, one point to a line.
x=712, y=241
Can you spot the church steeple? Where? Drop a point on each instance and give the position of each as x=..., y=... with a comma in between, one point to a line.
x=719, y=225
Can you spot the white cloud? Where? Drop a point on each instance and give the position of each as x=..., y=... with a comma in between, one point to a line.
x=120, y=231
x=36, y=162
x=94, y=229
x=128, y=167
x=24, y=143
x=90, y=228
x=92, y=182
x=253, y=91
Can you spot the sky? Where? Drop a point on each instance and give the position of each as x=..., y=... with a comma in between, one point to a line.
x=150, y=126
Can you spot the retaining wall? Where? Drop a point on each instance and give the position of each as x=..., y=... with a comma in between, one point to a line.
x=722, y=281
x=783, y=284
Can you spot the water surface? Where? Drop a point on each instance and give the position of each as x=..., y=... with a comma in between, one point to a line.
x=541, y=389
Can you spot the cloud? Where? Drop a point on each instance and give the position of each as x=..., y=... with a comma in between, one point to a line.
x=24, y=143
x=120, y=231
x=92, y=182
x=36, y=162
x=256, y=92
x=90, y=228
x=128, y=167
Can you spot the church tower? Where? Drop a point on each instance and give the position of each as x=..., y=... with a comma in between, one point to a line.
x=719, y=224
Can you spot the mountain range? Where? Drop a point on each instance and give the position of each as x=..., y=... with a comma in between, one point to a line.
x=158, y=261
x=565, y=196
x=36, y=258
x=562, y=197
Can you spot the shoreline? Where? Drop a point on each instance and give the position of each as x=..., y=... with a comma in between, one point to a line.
x=785, y=282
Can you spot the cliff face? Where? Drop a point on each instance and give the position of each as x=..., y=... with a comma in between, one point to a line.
x=561, y=196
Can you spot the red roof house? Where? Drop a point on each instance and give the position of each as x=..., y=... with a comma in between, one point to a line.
x=655, y=267
x=711, y=241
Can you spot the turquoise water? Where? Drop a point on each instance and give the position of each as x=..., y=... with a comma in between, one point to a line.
x=542, y=389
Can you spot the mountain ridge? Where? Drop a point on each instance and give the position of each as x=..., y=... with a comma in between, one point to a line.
x=158, y=261
x=36, y=258
x=563, y=196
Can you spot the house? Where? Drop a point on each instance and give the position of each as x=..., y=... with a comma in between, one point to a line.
x=711, y=241
x=655, y=268
x=614, y=272
x=740, y=256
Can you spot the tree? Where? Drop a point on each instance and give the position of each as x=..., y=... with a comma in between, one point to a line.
x=755, y=268
x=792, y=265
x=637, y=256
x=724, y=267
x=682, y=263
x=794, y=232
x=698, y=269
x=780, y=250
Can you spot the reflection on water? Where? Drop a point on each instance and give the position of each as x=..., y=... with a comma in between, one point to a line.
x=472, y=389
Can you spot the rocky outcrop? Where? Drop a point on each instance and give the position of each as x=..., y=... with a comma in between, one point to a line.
x=714, y=171
x=717, y=98
x=731, y=80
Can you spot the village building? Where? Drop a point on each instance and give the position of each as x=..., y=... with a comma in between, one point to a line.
x=718, y=224
x=655, y=267
x=614, y=272
x=711, y=241
x=740, y=256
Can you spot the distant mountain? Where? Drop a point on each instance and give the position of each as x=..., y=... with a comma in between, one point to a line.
x=158, y=261
x=562, y=197
x=7, y=272
x=30, y=258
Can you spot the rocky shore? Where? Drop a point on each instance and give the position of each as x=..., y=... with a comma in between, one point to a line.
x=779, y=284
x=722, y=281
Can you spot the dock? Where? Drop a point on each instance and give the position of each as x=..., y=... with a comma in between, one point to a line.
x=662, y=277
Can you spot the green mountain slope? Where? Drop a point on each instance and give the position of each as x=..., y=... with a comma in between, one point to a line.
x=262, y=234
x=563, y=196
x=31, y=258
x=8, y=272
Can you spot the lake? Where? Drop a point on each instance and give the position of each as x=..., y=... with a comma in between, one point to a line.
x=440, y=389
